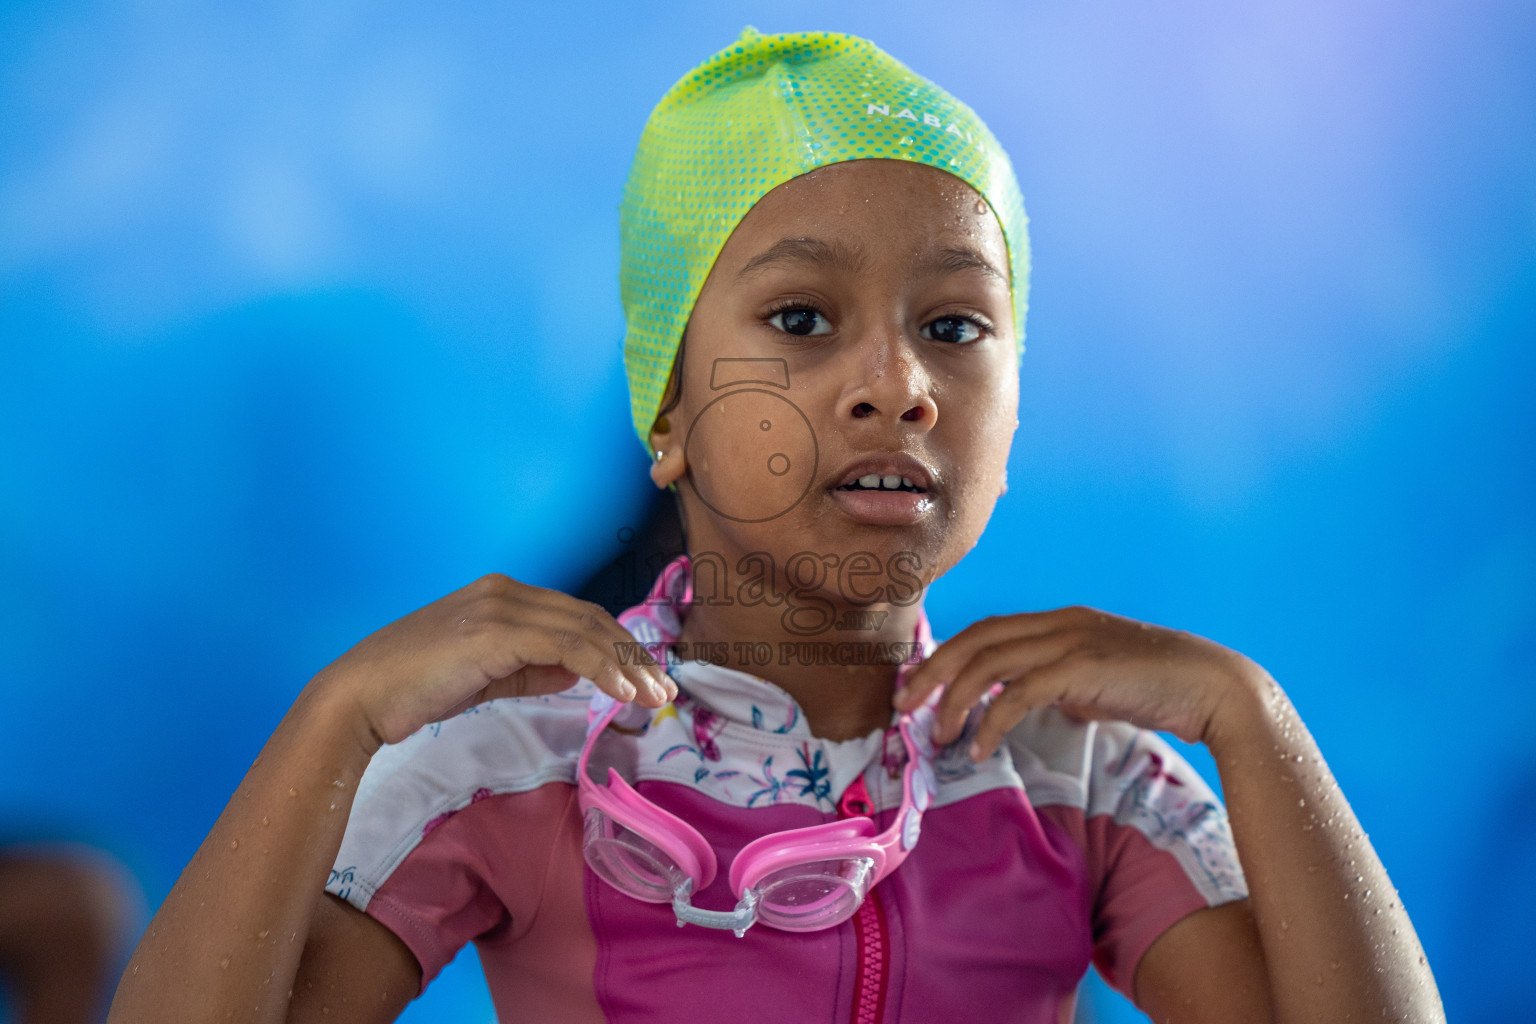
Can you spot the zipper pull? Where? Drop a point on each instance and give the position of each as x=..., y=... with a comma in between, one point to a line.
x=855, y=802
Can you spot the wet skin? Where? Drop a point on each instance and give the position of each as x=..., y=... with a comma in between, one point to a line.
x=871, y=281
x=883, y=287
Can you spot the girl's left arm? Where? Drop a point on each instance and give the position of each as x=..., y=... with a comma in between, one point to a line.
x=1323, y=930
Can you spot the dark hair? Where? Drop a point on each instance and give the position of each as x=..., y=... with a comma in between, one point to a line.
x=622, y=582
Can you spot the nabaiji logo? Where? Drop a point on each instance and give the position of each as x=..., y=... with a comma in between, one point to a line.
x=931, y=120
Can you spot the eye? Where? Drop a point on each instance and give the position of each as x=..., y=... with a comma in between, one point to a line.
x=953, y=329
x=800, y=320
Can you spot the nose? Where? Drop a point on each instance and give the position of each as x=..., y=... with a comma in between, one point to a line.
x=889, y=383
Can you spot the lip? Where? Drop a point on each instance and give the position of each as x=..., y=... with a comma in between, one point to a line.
x=885, y=508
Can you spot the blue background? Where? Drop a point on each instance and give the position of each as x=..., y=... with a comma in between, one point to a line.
x=309, y=315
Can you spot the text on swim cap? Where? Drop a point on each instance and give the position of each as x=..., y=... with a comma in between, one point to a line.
x=930, y=120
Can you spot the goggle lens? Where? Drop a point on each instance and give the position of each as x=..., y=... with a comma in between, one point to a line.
x=627, y=860
x=805, y=897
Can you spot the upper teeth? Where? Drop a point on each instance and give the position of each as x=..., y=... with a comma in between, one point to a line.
x=886, y=483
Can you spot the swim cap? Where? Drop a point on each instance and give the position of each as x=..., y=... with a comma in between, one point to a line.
x=758, y=113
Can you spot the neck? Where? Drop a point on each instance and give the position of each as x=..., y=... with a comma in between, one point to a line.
x=836, y=675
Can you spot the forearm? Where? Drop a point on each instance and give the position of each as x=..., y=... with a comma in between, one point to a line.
x=1337, y=941
x=226, y=943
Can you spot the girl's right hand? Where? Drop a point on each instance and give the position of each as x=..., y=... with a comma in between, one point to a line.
x=494, y=638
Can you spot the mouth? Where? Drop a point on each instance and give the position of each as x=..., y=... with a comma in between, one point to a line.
x=885, y=490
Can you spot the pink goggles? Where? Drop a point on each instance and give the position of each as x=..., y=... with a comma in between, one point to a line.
x=796, y=881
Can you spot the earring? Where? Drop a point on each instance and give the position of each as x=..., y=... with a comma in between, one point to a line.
x=659, y=454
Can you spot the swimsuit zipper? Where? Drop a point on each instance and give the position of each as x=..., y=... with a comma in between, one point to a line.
x=869, y=929
x=874, y=961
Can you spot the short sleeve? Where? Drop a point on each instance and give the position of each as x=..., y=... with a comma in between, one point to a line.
x=1158, y=846
x=451, y=833
x=438, y=899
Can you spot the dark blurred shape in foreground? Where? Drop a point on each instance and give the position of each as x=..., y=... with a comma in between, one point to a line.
x=68, y=916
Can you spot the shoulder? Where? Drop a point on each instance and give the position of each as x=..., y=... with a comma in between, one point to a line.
x=501, y=747
x=1124, y=782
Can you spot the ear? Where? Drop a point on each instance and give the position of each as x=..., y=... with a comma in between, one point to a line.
x=668, y=463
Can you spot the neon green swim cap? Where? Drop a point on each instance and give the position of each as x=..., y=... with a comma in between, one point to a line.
x=758, y=113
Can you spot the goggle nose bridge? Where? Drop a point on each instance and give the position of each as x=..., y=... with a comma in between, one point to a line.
x=738, y=920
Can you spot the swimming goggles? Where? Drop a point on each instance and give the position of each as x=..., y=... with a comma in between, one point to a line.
x=801, y=880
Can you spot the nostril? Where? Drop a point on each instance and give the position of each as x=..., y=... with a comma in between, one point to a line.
x=862, y=409
x=913, y=414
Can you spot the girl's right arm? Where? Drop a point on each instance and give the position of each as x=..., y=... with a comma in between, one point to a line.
x=247, y=927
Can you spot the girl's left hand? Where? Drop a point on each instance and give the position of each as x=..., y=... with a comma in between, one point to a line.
x=1091, y=663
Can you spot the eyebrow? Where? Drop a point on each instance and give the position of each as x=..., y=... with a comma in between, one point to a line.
x=835, y=255
x=958, y=261
x=830, y=255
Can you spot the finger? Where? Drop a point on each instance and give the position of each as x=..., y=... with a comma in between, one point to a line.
x=527, y=681
x=565, y=618
x=630, y=654
x=531, y=681
x=1002, y=662
x=576, y=651
x=1034, y=689
x=950, y=656
x=500, y=599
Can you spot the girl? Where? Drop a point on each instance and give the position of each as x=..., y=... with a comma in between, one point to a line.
x=825, y=276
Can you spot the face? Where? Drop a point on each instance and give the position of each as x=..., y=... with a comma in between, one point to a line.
x=849, y=380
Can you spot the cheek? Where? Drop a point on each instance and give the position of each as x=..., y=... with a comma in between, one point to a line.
x=751, y=454
x=994, y=416
x=990, y=435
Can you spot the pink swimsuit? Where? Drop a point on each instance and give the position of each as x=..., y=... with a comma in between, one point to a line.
x=1078, y=842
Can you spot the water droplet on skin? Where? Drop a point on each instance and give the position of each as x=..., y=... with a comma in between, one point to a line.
x=292, y=792
x=136, y=966
x=266, y=820
x=234, y=844
x=333, y=807
x=981, y=206
x=1301, y=803
x=224, y=963
x=339, y=784
x=262, y=934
